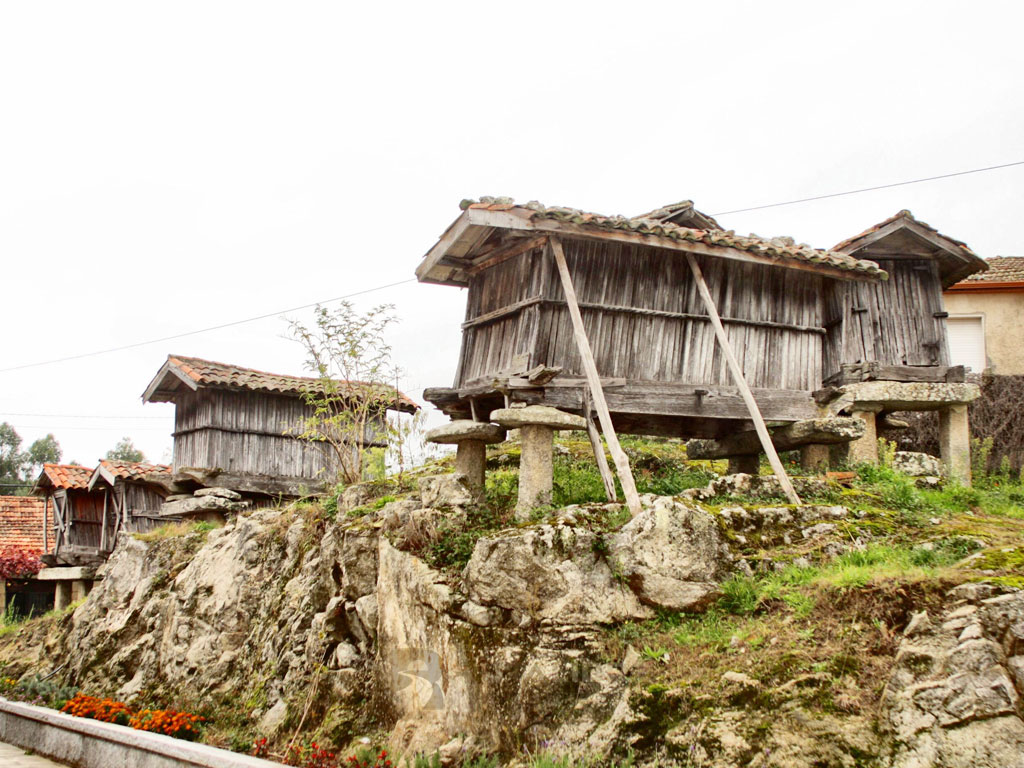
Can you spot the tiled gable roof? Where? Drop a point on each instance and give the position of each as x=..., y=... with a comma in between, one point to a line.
x=779, y=247
x=1001, y=269
x=133, y=470
x=209, y=373
x=21, y=523
x=65, y=475
x=904, y=214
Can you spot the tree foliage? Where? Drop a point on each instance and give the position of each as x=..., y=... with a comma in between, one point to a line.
x=12, y=458
x=45, y=450
x=125, y=450
x=355, y=384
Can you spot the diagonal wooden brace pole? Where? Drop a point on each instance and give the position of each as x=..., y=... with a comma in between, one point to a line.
x=595, y=443
x=741, y=383
x=594, y=381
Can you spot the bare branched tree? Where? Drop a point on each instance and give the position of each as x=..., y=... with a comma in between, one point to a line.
x=351, y=361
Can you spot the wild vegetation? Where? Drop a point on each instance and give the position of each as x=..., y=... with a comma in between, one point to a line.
x=808, y=619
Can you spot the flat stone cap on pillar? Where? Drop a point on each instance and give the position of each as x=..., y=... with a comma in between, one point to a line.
x=901, y=396
x=466, y=429
x=537, y=416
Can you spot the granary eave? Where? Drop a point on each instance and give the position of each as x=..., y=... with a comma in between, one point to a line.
x=955, y=259
x=447, y=262
x=167, y=384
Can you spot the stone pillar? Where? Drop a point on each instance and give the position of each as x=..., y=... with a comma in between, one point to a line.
x=536, y=468
x=472, y=438
x=537, y=425
x=748, y=465
x=814, y=458
x=62, y=596
x=80, y=589
x=863, y=450
x=3, y=595
x=955, y=443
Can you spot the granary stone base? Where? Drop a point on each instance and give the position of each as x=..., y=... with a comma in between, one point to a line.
x=537, y=425
x=472, y=438
x=870, y=399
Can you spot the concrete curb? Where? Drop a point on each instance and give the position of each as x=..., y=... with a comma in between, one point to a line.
x=85, y=743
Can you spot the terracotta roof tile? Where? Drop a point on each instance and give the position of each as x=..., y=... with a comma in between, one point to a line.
x=65, y=475
x=21, y=523
x=1001, y=269
x=214, y=374
x=780, y=247
x=132, y=470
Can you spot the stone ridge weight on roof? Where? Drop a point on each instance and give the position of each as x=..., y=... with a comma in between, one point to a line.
x=780, y=247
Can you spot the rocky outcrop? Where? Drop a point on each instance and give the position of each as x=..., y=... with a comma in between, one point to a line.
x=954, y=700
x=916, y=464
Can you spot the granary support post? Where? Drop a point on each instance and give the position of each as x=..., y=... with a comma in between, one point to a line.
x=741, y=383
x=594, y=381
x=472, y=438
x=955, y=443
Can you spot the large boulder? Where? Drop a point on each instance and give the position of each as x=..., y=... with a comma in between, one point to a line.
x=553, y=574
x=672, y=555
x=916, y=464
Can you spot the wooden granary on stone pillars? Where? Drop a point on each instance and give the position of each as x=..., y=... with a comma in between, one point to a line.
x=660, y=324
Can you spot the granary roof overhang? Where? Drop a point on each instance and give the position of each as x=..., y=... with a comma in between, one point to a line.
x=180, y=374
x=468, y=242
x=903, y=236
x=1004, y=274
x=109, y=471
x=62, y=477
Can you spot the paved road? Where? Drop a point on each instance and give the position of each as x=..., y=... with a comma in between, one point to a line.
x=15, y=757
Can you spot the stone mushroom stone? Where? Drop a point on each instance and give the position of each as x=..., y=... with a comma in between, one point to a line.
x=537, y=416
x=465, y=429
x=537, y=425
x=471, y=437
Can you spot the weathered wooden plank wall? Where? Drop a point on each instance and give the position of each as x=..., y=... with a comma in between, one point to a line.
x=645, y=319
x=86, y=519
x=245, y=432
x=893, y=322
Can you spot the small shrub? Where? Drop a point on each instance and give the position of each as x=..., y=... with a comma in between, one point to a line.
x=94, y=708
x=180, y=725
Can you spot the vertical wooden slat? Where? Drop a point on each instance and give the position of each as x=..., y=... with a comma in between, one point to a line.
x=741, y=384
x=594, y=380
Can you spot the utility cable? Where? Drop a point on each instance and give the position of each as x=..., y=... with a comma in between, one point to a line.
x=870, y=189
x=201, y=330
x=403, y=282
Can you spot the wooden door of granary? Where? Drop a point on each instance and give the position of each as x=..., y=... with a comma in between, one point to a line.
x=644, y=318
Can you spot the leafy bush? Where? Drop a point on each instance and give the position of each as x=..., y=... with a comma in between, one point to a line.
x=16, y=563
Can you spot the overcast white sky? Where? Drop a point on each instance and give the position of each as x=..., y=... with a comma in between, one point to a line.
x=166, y=167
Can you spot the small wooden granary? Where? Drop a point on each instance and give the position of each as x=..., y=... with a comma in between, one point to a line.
x=89, y=507
x=667, y=325
x=896, y=330
x=78, y=514
x=244, y=425
x=651, y=332
x=134, y=493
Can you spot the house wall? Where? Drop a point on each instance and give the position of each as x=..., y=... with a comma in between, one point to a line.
x=245, y=433
x=645, y=319
x=1003, y=314
x=892, y=322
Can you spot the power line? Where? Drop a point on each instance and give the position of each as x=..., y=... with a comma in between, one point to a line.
x=201, y=330
x=403, y=282
x=79, y=416
x=870, y=189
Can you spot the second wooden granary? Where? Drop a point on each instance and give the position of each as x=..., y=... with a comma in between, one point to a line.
x=653, y=294
x=240, y=427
